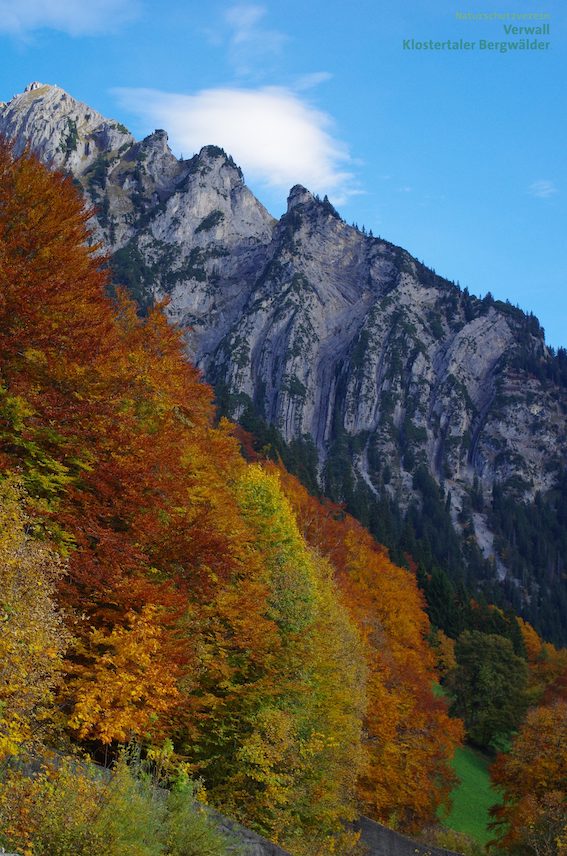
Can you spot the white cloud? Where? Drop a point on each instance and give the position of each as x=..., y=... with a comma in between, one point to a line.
x=309, y=81
x=278, y=138
x=250, y=44
x=77, y=18
x=543, y=189
x=243, y=19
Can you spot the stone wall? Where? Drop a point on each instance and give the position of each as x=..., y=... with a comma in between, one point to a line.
x=375, y=840
x=247, y=842
x=378, y=840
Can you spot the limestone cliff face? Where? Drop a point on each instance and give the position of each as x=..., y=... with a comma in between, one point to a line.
x=325, y=331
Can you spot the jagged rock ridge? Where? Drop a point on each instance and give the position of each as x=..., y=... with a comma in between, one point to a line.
x=323, y=331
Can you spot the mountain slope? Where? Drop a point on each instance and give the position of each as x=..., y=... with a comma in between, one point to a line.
x=438, y=417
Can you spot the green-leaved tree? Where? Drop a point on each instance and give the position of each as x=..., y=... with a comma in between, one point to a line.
x=489, y=687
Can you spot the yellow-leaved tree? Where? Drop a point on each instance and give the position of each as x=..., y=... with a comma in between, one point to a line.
x=123, y=682
x=32, y=634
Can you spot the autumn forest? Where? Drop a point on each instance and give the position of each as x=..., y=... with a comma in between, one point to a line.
x=164, y=586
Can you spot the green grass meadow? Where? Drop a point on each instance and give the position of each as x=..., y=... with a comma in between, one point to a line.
x=473, y=797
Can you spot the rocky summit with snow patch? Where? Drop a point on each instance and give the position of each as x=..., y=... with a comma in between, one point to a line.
x=406, y=392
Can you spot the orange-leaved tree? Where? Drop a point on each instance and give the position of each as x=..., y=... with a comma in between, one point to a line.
x=532, y=778
x=546, y=664
x=113, y=434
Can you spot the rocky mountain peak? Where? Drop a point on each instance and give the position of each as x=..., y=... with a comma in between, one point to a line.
x=215, y=162
x=211, y=152
x=135, y=185
x=62, y=131
x=154, y=160
x=299, y=195
x=158, y=140
x=301, y=200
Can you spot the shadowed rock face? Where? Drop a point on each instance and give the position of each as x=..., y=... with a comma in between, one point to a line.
x=326, y=331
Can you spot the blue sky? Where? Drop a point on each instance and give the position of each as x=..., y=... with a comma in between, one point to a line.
x=458, y=156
